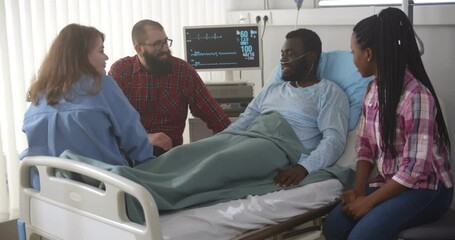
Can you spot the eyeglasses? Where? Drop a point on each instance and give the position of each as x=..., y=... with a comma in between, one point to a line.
x=158, y=45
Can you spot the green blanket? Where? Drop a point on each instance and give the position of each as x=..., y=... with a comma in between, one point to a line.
x=229, y=165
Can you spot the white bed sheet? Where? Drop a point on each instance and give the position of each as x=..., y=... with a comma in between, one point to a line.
x=229, y=219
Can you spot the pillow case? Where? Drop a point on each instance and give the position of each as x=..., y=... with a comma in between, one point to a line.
x=338, y=67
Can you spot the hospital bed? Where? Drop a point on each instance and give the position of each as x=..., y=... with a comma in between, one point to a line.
x=69, y=209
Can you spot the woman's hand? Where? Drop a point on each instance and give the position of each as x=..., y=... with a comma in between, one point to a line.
x=363, y=204
x=357, y=208
x=161, y=140
x=352, y=194
x=348, y=196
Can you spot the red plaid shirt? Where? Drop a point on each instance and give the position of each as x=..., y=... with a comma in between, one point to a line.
x=163, y=101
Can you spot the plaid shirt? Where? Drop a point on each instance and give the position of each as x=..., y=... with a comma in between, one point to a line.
x=163, y=101
x=421, y=162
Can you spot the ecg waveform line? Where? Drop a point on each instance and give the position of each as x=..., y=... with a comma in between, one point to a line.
x=214, y=64
x=204, y=54
x=203, y=37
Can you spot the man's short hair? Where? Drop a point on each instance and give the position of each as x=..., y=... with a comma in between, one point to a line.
x=310, y=41
x=138, y=33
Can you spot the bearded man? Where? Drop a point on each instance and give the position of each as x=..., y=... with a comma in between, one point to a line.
x=316, y=109
x=162, y=87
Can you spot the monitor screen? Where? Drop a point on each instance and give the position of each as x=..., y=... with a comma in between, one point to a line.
x=223, y=47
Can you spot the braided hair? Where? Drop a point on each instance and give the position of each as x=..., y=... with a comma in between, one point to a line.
x=391, y=37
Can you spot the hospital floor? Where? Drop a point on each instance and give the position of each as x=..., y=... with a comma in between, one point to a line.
x=8, y=230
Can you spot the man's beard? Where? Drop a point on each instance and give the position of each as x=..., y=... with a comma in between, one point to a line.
x=157, y=66
x=299, y=71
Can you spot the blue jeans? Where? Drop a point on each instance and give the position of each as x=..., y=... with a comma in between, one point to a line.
x=408, y=209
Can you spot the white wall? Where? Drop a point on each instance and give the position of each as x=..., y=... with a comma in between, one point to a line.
x=434, y=24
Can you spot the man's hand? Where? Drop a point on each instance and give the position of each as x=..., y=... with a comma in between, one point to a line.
x=161, y=140
x=290, y=176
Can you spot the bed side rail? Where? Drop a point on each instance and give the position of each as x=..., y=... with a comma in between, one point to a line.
x=68, y=209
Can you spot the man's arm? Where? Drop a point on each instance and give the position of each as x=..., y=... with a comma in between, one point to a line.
x=333, y=124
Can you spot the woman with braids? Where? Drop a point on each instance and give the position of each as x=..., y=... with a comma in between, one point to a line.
x=402, y=133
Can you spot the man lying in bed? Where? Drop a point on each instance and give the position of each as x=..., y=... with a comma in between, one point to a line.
x=289, y=131
x=316, y=109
